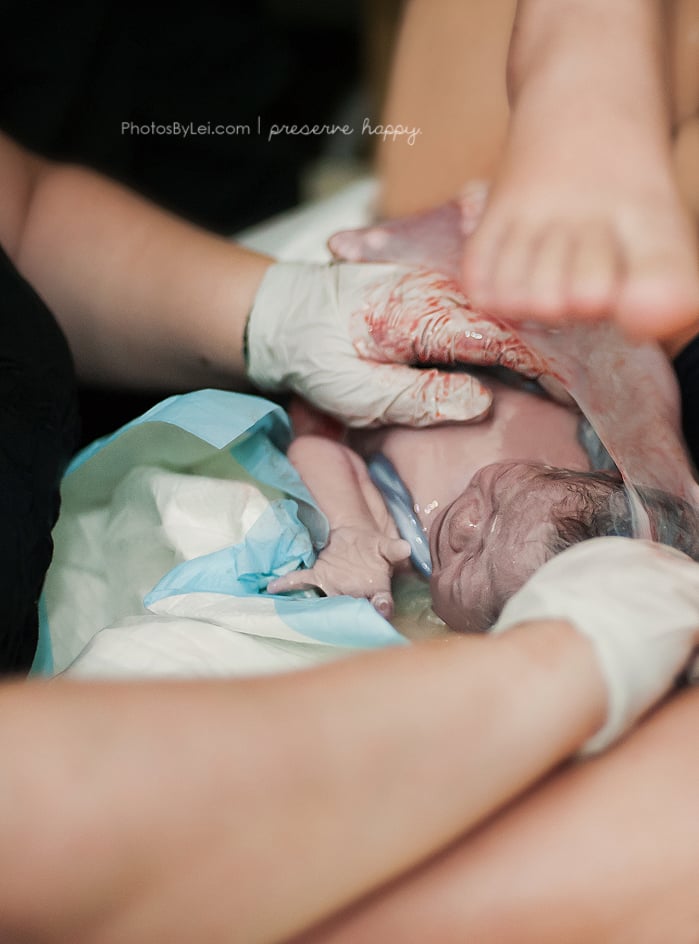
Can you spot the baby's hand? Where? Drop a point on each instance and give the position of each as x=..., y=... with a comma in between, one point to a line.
x=355, y=562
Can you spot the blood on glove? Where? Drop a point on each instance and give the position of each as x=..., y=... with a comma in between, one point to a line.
x=355, y=339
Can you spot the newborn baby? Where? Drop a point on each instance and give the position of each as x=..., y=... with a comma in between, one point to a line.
x=496, y=500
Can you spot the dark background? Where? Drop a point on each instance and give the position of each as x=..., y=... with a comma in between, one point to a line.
x=70, y=74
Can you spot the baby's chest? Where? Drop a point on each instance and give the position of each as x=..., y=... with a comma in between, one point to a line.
x=437, y=463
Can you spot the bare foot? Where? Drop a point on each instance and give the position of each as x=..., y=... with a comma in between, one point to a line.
x=584, y=219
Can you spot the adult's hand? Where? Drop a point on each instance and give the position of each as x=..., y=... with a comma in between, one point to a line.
x=638, y=604
x=361, y=342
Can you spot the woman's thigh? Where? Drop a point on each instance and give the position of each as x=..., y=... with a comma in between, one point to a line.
x=604, y=851
x=448, y=79
x=38, y=432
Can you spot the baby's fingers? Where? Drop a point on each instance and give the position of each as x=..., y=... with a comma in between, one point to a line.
x=394, y=550
x=383, y=604
x=296, y=580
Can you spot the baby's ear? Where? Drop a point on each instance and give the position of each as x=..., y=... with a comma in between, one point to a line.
x=541, y=543
x=539, y=551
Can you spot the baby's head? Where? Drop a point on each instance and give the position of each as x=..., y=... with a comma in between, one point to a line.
x=513, y=516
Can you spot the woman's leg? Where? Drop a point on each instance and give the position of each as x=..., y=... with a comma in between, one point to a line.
x=448, y=80
x=584, y=215
x=605, y=851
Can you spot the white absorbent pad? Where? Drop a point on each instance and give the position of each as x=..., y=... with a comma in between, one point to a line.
x=302, y=233
x=170, y=530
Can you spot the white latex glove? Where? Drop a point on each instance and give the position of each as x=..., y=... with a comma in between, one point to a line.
x=636, y=601
x=343, y=334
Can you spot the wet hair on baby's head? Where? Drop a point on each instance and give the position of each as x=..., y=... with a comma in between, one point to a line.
x=598, y=506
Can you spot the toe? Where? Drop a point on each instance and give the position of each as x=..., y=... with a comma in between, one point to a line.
x=549, y=274
x=511, y=272
x=654, y=305
x=595, y=272
x=481, y=251
x=660, y=293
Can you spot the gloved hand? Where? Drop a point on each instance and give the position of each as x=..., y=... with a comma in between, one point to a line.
x=343, y=336
x=638, y=604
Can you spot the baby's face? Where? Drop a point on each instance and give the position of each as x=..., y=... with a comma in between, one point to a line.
x=490, y=540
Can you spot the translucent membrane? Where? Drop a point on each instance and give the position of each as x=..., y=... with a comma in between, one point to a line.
x=629, y=395
x=627, y=392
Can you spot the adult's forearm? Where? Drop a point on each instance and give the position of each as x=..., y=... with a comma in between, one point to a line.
x=145, y=299
x=212, y=811
x=601, y=851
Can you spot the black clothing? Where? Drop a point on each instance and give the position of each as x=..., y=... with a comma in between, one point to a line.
x=38, y=433
x=72, y=73
x=686, y=366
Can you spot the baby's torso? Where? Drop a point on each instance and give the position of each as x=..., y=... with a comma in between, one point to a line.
x=437, y=463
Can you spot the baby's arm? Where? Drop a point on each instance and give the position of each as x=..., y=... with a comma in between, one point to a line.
x=363, y=546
